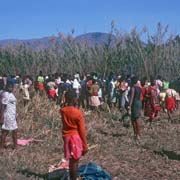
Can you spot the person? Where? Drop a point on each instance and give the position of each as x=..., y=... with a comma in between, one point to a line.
x=135, y=105
x=165, y=84
x=9, y=116
x=170, y=102
x=152, y=105
x=1, y=83
x=25, y=89
x=73, y=132
x=76, y=86
x=1, y=108
x=159, y=84
x=112, y=93
x=94, y=98
x=123, y=88
x=82, y=94
x=40, y=83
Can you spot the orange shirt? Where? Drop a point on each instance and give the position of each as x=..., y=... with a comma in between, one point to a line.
x=73, y=123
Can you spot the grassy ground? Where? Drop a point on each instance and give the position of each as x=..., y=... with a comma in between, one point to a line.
x=111, y=145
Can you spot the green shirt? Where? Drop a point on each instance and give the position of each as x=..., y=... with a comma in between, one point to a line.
x=40, y=79
x=165, y=85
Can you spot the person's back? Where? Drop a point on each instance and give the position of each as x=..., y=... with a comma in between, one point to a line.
x=94, y=90
x=72, y=118
x=74, y=134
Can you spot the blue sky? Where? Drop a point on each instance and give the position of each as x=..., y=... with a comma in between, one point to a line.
x=26, y=19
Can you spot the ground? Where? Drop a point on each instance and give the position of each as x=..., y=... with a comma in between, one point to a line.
x=110, y=145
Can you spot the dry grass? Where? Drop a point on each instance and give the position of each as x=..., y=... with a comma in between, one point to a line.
x=111, y=145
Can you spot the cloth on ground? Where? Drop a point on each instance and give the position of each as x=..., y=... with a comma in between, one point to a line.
x=62, y=165
x=24, y=142
x=92, y=171
x=59, y=171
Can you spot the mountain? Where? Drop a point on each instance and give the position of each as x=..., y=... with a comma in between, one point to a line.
x=92, y=39
x=33, y=43
x=95, y=38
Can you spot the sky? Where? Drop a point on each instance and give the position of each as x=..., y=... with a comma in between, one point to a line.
x=28, y=19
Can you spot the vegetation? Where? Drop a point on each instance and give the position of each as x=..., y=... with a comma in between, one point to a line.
x=110, y=144
x=138, y=53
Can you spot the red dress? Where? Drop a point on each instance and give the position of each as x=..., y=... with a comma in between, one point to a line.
x=152, y=105
x=73, y=131
x=40, y=86
x=52, y=93
x=170, y=103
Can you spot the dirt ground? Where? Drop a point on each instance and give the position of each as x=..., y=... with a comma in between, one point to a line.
x=110, y=145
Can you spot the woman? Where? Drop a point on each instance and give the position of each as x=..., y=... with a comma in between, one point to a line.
x=152, y=105
x=94, y=98
x=135, y=106
x=9, y=116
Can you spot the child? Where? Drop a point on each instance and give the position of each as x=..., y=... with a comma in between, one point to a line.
x=9, y=116
x=74, y=134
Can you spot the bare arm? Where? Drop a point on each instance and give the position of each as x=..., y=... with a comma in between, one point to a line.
x=132, y=96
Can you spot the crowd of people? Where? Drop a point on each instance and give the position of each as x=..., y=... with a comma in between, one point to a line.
x=123, y=92
x=89, y=92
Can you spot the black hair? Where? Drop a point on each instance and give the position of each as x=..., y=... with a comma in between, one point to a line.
x=134, y=80
x=9, y=87
x=70, y=96
x=152, y=81
x=94, y=81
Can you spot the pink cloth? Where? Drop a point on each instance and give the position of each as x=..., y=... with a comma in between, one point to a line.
x=64, y=165
x=73, y=146
x=24, y=142
x=94, y=101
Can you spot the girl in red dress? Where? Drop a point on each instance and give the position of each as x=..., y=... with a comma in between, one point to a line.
x=74, y=133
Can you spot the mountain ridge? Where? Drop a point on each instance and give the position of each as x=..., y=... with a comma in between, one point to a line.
x=92, y=38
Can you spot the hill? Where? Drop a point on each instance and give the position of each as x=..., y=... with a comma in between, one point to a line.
x=92, y=39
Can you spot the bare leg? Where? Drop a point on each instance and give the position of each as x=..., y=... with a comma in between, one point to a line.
x=169, y=112
x=14, y=137
x=137, y=127
x=134, y=128
x=3, y=138
x=73, y=168
x=150, y=122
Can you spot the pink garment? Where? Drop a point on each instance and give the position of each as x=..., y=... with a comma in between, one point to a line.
x=94, y=101
x=24, y=142
x=73, y=146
